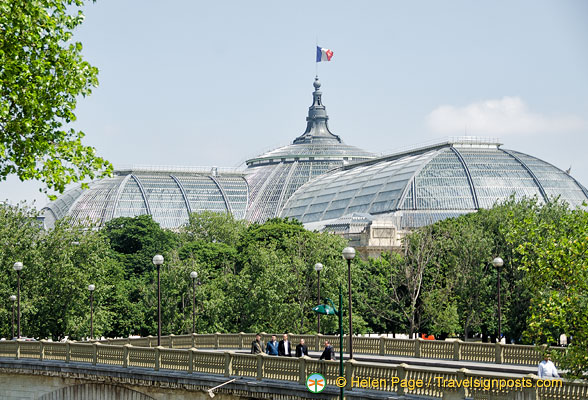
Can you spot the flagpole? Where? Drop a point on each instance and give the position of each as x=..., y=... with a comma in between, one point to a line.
x=315, y=62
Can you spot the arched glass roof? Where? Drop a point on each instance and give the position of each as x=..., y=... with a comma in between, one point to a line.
x=169, y=196
x=432, y=183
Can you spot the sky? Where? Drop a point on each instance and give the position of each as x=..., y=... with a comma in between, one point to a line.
x=213, y=83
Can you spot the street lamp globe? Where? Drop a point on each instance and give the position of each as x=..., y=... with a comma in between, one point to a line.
x=497, y=262
x=12, y=298
x=158, y=259
x=91, y=287
x=349, y=253
x=318, y=267
x=193, y=274
x=17, y=266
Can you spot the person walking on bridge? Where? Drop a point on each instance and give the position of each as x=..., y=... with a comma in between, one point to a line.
x=328, y=353
x=301, y=349
x=272, y=347
x=284, y=347
x=257, y=345
x=547, y=368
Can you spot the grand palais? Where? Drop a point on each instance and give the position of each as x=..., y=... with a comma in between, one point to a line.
x=329, y=185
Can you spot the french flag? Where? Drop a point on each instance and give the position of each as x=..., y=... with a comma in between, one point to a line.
x=323, y=54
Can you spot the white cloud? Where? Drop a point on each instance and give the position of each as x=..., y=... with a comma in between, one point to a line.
x=506, y=116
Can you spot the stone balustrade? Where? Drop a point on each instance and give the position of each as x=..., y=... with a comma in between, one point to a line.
x=418, y=348
x=436, y=382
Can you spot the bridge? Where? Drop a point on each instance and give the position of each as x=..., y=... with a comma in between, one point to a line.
x=189, y=366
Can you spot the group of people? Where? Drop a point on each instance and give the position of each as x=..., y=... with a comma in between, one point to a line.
x=284, y=348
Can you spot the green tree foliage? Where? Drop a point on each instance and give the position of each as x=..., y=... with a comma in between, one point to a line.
x=552, y=249
x=376, y=294
x=42, y=73
x=136, y=240
x=58, y=267
x=260, y=277
x=213, y=227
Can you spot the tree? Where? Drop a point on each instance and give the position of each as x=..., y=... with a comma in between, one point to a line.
x=407, y=279
x=213, y=227
x=136, y=240
x=42, y=73
x=375, y=294
x=551, y=246
x=465, y=253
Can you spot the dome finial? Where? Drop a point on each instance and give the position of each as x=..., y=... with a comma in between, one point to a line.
x=317, y=83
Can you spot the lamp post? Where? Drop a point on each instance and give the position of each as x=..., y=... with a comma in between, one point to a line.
x=158, y=261
x=349, y=254
x=17, y=267
x=318, y=267
x=13, y=299
x=329, y=310
x=498, y=263
x=193, y=275
x=91, y=288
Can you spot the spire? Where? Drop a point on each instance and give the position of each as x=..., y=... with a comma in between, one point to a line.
x=317, y=128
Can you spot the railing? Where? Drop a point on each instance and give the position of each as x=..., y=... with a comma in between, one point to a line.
x=417, y=348
x=402, y=379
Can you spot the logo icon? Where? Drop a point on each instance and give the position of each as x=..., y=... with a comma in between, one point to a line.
x=315, y=383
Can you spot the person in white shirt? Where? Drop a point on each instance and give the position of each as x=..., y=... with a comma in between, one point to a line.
x=547, y=368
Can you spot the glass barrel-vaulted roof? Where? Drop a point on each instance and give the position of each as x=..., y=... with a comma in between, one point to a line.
x=274, y=176
x=432, y=183
x=169, y=196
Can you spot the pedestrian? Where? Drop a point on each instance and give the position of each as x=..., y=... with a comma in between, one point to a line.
x=284, y=347
x=328, y=353
x=301, y=349
x=257, y=345
x=272, y=347
x=547, y=368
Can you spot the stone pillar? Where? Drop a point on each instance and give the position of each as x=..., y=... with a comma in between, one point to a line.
x=171, y=341
x=42, y=350
x=302, y=369
x=126, y=350
x=382, y=345
x=193, y=337
x=17, y=352
x=457, y=350
x=459, y=393
x=260, y=366
x=216, y=339
x=318, y=342
x=228, y=363
x=499, y=350
x=67, y=351
x=530, y=393
x=191, y=360
x=401, y=375
x=417, y=348
x=157, y=358
x=349, y=373
x=241, y=339
x=95, y=354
